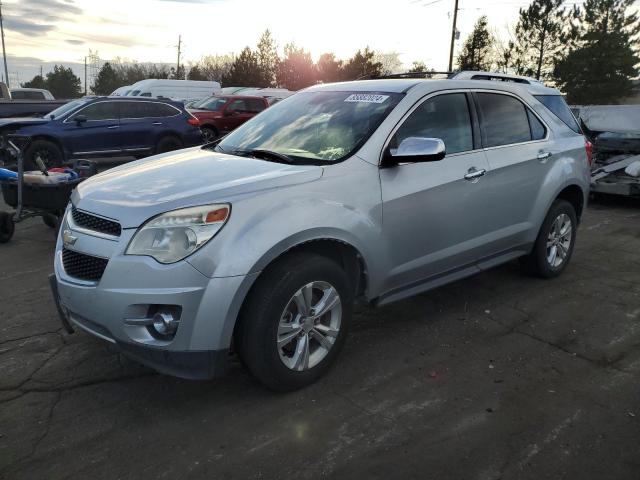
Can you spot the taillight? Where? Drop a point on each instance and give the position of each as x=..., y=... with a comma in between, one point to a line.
x=588, y=146
x=193, y=121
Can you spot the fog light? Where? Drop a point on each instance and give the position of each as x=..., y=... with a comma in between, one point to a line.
x=165, y=323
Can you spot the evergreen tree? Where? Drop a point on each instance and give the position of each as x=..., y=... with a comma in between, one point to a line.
x=35, y=82
x=329, y=68
x=296, y=70
x=63, y=83
x=600, y=68
x=196, y=73
x=543, y=34
x=107, y=80
x=268, y=60
x=245, y=71
x=477, y=49
x=361, y=65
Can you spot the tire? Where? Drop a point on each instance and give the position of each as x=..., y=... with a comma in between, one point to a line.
x=50, y=220
x=209, y=134
x=542, y=262
x=7, y=227
x=271, y=314
x=49, y=152
x=168, y=144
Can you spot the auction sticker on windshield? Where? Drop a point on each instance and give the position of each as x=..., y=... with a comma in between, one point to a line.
x=366, y=98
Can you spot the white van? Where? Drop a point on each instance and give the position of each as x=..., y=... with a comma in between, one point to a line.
x=121, y=92
x=174, y=89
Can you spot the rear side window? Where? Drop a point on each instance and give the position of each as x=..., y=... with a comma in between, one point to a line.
x=255, y=105
x=237, y=106
x=557, y=106
x=99, y=111
x=146, y=110
x=504, y=120
x=445, y=117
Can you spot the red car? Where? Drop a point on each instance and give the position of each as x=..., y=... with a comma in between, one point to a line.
x=220, y=115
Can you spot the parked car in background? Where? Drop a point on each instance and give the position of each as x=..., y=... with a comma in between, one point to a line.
x=31, y=94
x=109, y=126
x=377, y=190
x=121, y=91
x=10, y=107
x=220, y=115
x=174, y=89
x=273, y=95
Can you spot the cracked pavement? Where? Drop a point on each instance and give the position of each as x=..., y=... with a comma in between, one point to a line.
x=498, y=376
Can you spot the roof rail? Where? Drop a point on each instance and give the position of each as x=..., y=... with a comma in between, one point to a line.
x=496, y=77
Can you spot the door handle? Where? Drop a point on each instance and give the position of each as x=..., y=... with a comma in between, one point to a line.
x=113, y=126
x=157, y=123
x=544, y=155
x=474, y=174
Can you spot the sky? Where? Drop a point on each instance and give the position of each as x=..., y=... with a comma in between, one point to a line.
x=41, y=33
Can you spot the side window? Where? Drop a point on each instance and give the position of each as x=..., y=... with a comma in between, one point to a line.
x=503, y=120
x=445, y=117
x=256, y=106
x=157, y=110
x=99, y=111
x=237, y=106
x=538, y=131
x=145, y=94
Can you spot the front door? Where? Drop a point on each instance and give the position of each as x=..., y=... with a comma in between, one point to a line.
x=93, y=130
x=435, y=213
x=235, y=114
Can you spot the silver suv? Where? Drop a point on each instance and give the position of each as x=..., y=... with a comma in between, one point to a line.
x=259, y=244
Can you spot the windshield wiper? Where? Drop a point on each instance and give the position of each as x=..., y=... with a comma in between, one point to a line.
x=266, y=155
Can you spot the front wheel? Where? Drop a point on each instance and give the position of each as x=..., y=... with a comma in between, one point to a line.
x=556, y=239
x=47, y=151
x=296, y=321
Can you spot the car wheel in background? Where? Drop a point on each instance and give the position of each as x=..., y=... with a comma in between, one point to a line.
x=556, y=240
x=49, y=153
x=209, y=134
x=168, y=144
x=295, y=321
x=50, y=220
x=7, y=227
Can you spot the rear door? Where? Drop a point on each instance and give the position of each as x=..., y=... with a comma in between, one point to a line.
x=98, y=135
x=143, y=122
x=520, y=153
x=434, y=219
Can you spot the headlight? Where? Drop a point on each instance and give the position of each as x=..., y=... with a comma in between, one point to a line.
x=175, y=235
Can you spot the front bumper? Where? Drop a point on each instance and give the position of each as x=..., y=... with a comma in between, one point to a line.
x=131, y=287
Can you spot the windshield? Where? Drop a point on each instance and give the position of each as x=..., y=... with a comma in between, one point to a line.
x=66, y=108
x=314, y=126
x=212, y=103
x=132, y=93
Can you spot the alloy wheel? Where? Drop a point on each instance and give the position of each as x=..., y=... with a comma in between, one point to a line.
x=559, y=240
x=309, y=326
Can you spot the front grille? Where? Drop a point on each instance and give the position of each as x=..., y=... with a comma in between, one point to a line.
x=84, y=267
x=97, y=224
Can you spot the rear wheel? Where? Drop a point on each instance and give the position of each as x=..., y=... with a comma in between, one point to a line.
x=168, y=144
x=296, y=321
x=554, y=245
x=47, y=151
x=7, y=227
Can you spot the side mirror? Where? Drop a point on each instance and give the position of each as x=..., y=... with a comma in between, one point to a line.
x=80, y=119
x=415, y=150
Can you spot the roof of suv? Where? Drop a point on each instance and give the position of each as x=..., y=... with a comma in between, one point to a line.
x=402, y=85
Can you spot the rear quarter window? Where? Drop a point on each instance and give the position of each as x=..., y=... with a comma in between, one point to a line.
x=556, y=105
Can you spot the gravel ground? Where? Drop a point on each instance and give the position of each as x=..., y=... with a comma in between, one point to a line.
x=496, y=376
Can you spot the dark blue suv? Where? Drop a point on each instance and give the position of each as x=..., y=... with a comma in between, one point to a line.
x=110, y=126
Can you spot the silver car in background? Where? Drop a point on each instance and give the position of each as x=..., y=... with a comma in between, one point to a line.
x=259, y=244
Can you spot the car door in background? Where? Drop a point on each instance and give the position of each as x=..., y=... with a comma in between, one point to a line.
x=236, y=112
x=520, y=155
x=142, y=124
x=444, y=203
x=93, y=130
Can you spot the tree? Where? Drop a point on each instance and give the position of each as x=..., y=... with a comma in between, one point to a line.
x=421, y=67
x=216, y=67
x=599, y=70
x=196, y=73
x=107, y=80
x=296, y=70
x=245, y=71
x=361, y=65
x=477, y=49
x=389, y=61
x=267, y=56
x=62, y=82
x=35, y=82
x=328, y=68
x=543, y=33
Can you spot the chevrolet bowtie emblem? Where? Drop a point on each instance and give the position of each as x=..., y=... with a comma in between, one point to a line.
x=68, y=239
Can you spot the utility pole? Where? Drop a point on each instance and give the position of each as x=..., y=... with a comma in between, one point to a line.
x=4, y=53
x=453, y=36
x=178, y=64
x=85, y=76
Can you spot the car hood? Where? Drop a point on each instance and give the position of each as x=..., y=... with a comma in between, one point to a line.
x=22, y=122
x=135, y=192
